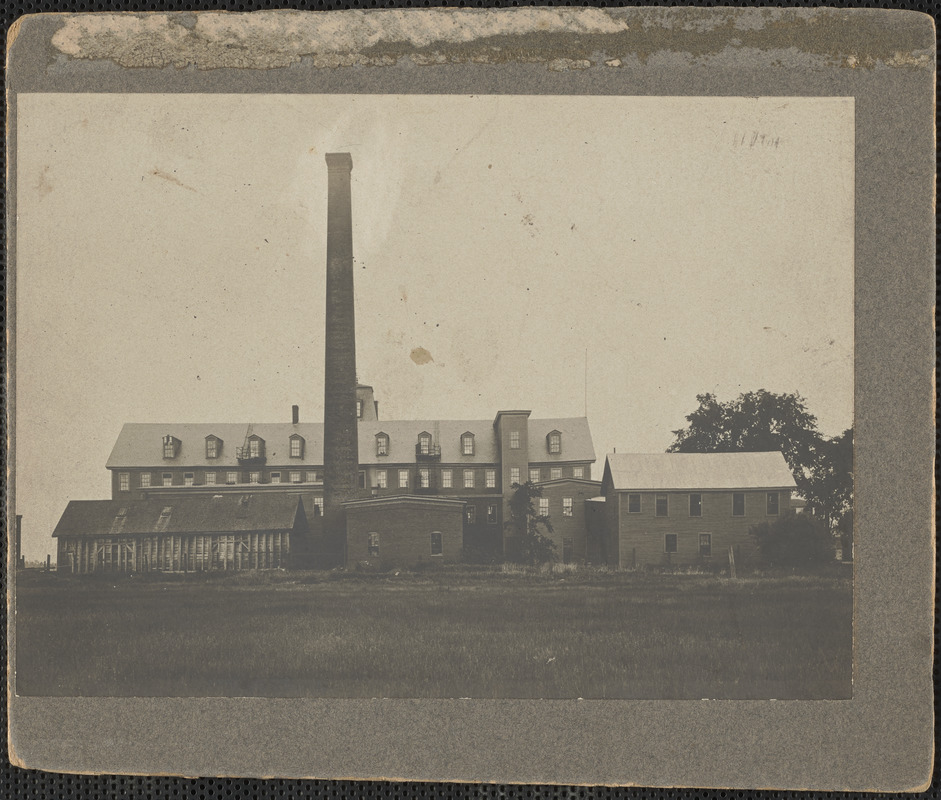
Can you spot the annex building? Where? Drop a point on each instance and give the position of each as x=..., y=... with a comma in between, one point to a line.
x=663, y=509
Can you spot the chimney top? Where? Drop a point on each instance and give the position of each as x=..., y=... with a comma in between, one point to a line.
x=339, y=161
x=295, y=415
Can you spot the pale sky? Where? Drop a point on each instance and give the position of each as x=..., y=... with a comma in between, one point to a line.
x=171, y=251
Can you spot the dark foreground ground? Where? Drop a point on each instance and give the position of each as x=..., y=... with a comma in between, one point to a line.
x=448, y=634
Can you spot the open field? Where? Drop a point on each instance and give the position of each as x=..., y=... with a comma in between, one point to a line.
x=443, y=634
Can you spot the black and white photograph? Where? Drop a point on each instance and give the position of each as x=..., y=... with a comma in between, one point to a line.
x=417, y=396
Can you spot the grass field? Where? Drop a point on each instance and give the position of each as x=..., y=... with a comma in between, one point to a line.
x=449, y=634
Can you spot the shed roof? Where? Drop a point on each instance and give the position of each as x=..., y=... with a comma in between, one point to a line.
x=140, y=445
x=653, y=471
x=193, y=514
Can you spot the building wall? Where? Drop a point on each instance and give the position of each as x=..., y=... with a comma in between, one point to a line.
x=173, y=552
x=569, y=534
x=641, y=536
x=404, y=534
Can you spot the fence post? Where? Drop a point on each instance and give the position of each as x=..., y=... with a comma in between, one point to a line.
x=731, y=562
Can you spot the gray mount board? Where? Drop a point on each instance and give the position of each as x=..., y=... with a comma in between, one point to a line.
x=881, y=739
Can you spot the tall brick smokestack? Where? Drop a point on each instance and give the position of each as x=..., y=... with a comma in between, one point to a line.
x=340, y=450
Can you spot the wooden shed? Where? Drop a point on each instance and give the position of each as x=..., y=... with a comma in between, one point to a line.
x=179, y=534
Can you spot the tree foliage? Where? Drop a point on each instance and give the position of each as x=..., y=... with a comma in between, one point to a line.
x=526, y=525
x=794, y=540
x=761, y=421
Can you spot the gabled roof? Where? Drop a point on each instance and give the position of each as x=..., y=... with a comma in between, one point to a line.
x=139, y=445
x=193, y=514
x=656, y=471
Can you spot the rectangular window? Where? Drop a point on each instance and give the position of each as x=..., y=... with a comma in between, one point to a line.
x=373, y=544
x=167, y=479
x=491, y=478
x=312, y=477
x=254, y=477
x=468, y=479
x=514, y=440
x=669, y=543
x=381, y=479
x=446, y=478
x=568, y=550
x=296, y=447
x=211, y=448
x=555, y=473
x=318, y=506
x=773, y=503
x=534, y=475
x=436, y=545
x=467, y=445
x=276, y=477
x=145, y=480
x=424, y=445
x=578, y=472
x=403, y=478
x=359, y=409
x=210, y=479
x=362, y=479
x=470, y=514
x=567, y=507
x=124, y=481
x=382, y=446
x=555, y=443
x=662, y=505
x=169, y=449
x=254, y=448
x=543, y=506
x=231, y=478
x=695, y=505
x=738, y=504
x=295, y=477
x=424, y=478
x=188, y=478
x=514, y=475
x=491, y=515
x=705, y=544
x=633, y=504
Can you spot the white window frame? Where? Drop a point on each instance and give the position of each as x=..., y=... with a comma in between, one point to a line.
x=468, y=479
x=382, y=445
x=514, y=475
x=640, y=502
x=568, y=507
x=189, y=478
x=700, y=542
x=424, y=478
x=382, y=479
x=676, y=543
x=212, y=447
x=666, y=504
x=231, y=478
x=543, y=506
x=210, y=478
x=275, y=477
x=295, y=476
x=403, y=479
x=490, y=479
x=744, y=504
x=297, y=447
x=372, y=544
x=555, y=443
x=467, y=444
x=254, y=477
x=124, y=481
x=166, y=479
x=535, y=475
x=447, y=478
x=310, y=476
x=578, y=472
x=514, y=440
x=555, y=473
x=145, y=479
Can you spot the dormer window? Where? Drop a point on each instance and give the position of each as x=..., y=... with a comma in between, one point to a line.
x=171, y=446
x=467, y=444
x=424, y=443
x=554, y=442
x=255, y=447
x=382, y=444
x=213, y=446
x=297, y=446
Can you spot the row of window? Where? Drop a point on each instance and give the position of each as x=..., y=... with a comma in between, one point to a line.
x=671, y=543
x=535, y=474
x=437, y=545
x=230, y=478
x=470, y=514
x=427, y=447
x=255, y=447
x=424, y=478
x=567, y=506
x=662, y=504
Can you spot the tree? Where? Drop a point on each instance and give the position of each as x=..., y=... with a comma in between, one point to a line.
x=532, y=546
x=762, y=421
x=794, y=540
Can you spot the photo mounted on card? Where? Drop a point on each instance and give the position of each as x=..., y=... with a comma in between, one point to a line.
x=386, y=379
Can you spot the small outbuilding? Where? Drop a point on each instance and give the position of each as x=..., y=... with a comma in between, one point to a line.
x=403, y=531
x=674, y=509
x=180, y=534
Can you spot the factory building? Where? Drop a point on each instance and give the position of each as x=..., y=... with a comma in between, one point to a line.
x=388, y=492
